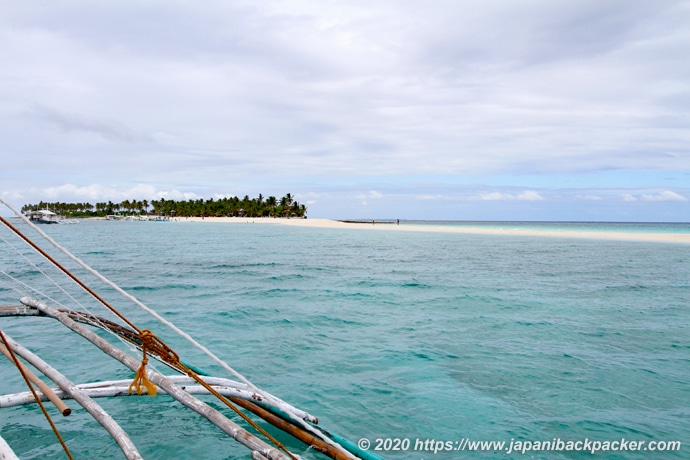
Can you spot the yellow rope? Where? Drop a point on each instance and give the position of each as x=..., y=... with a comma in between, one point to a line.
x=33, y=392
x=155, y=346
x=140, y=378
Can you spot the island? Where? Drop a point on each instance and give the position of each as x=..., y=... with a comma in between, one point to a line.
x=260, y=206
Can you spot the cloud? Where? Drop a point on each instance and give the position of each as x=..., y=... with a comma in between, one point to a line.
x=11, y=196
x=379, y=85
x=106, y=129
x=527, y=195
x=281, y=95
x=97, y=192
x=431, y=197
x=588, y=197
x=371, y=195
x=79, y=193
x=666, y=195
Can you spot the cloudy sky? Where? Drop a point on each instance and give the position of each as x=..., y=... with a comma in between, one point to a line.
x=459, y=109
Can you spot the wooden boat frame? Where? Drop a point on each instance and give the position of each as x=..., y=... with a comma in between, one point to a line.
x=182, y=388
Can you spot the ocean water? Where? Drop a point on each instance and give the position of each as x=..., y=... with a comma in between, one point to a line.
x=419, y=337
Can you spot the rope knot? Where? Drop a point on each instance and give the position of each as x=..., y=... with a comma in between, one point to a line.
x=146, y=336
x=140, y=380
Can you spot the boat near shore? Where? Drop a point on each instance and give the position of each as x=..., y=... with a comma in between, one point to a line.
x=44, y=216
x=139, y=218
x=54, y=271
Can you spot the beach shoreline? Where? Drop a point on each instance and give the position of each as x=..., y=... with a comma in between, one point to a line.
x=392, y=226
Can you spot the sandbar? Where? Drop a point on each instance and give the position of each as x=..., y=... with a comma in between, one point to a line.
x=404, y=227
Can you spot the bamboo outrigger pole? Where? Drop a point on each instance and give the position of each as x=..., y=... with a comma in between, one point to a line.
x=45, y=389
x=113, y=388
x=307, y=438
x=235, y=431
x=118, y=434
x=242, y=398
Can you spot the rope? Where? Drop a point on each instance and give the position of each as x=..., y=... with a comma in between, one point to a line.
x=228, y=403
x=33, y=392
x=155, y=346
x=131, y=298
x=68, y=273
x=45, y=274
x=140, y=378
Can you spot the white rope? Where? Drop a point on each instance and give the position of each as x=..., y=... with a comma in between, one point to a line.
x=130, y=297
x=34, y=292
x=38, y=269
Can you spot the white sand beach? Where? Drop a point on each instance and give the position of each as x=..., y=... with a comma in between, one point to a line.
x=328, y=223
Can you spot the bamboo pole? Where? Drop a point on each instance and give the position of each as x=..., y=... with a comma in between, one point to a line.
x=132, y=336
x=96, y=411
x=45, y=389
x=238, y=396
x=18, y=310
x=307, y=438
x=235, y=431
x=274, y=400
x=240, y=392
x=112, y=389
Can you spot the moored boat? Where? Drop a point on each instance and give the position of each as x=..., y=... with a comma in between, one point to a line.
x=45, y=216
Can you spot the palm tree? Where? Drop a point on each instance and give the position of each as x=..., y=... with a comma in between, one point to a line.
x=101, y=208
x=271, y=202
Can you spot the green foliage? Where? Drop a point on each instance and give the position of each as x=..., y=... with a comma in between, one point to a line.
x=230, y=207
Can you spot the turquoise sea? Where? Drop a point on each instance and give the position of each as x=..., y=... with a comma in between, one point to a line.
x=419, y=337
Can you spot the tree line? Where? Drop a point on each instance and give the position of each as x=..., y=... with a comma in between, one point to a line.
x=286, y=206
